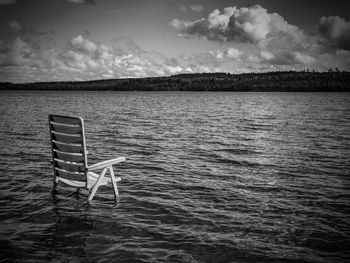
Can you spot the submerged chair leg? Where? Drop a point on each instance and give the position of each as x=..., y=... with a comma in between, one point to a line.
x=98, y=182
x=54, y=187
x=116, y=193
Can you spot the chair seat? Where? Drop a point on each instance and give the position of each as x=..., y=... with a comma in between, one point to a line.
x=92, y=178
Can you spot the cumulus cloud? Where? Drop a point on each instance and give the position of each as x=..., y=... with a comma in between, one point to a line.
x=336, y=30
x=109, y=74
x=83, y=44
x=74, y=59
x=81, y=59
x=211, y=28
x=229, y=53
x=173, y=70
x=218, y=54
x=95, y=59
x=253, y=24
x=273, y=43
x=126, y=59
x=268, y=56
x=234, y=53
x=303, y=58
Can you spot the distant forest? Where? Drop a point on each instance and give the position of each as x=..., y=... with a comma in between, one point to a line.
x=271, y=81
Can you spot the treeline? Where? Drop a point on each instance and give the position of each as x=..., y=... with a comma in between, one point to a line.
x=270, y=81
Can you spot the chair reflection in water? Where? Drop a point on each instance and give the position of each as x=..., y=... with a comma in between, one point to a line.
x=69, y=157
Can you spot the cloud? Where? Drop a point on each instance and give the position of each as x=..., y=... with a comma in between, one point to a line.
x=218, y=54
x=83, y=44
x=74, y=59
x=273, y=43
x=336, y=30
x=268, y=56
x=81, y=59
x=109, y=74
x=303, y=58
x=16, y=52
x=173, y=70
x=234, y=53
x=229, y=53
x=252, y=24
x=22, y=46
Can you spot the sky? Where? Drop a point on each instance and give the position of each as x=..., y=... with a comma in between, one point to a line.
x=72, y=40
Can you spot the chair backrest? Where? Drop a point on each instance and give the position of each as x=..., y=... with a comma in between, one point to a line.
x=68, y=147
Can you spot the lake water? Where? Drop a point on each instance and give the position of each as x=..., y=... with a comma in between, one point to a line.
x=209, y=177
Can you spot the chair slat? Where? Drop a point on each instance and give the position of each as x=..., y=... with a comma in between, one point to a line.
x=70, y=175
x=76, y=129
x=65, y=119
x=69, y=166
x=70, y=157
x=69, y=138
x=68, y=147
x=66, y=124
x=78, y=184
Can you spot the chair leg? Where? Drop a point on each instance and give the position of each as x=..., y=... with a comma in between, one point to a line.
x=97, y=184
x=116, y=193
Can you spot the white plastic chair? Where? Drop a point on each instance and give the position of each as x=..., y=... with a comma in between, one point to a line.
x=69, y=157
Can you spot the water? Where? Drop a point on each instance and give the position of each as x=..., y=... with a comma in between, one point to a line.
x=209, y=177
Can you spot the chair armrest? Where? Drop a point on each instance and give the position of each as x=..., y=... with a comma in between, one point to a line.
x=105, y=164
